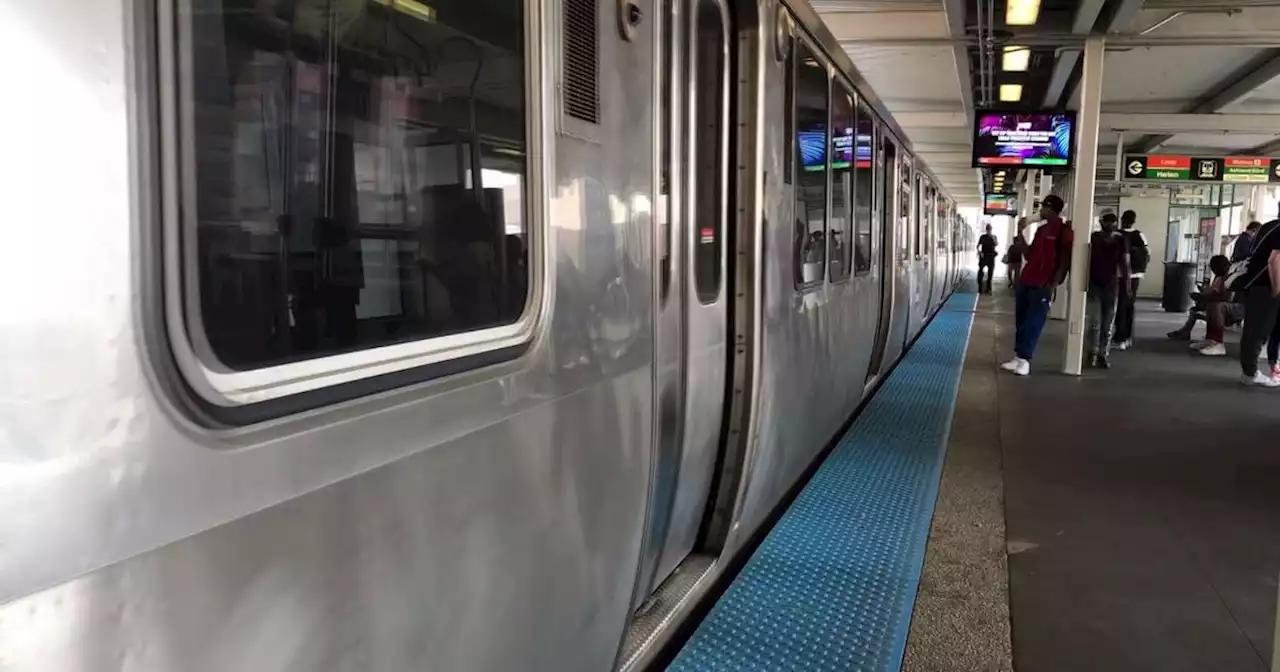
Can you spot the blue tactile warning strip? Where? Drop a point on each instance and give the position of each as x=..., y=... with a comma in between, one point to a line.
x=833, y=584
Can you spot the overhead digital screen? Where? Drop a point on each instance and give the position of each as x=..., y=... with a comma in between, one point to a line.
x=999, y=204
x=1031, y=140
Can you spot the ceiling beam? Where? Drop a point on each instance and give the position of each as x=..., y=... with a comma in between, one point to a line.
x=1235, y=88
x=1172, y=124
x=955, y=11
x=932, y=119
x=1066, y=71
x=1265, y=149
x=936, y=160
x=1082, y=24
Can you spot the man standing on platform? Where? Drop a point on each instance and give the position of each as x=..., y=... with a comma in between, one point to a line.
x=987, y=252
x=1139, y=257
x=1048, y=260
x=1260, y=284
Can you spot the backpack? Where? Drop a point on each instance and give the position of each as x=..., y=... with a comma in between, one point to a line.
x=1238, y=279
x=1139, y=253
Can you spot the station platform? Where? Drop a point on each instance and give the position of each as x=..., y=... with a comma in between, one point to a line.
x=972, y=520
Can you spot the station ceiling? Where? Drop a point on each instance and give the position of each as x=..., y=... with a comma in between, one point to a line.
x=1197, y=77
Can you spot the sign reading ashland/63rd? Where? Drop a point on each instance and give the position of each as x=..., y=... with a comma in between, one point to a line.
x=1172, y=168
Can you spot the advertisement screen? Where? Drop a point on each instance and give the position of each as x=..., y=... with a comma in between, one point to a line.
x=999, y=204
x=1032, y=140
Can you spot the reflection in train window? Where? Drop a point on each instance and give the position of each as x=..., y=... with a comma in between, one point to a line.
x=904, y=207
x=864, y=188
x=357, y=173
x=812, y=89
x=843, y=166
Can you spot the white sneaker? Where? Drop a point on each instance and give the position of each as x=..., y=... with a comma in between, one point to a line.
x=1214, y=350
x=1261, y=380
x=1123, y=345
x=1014, y=364
x=1200, y=345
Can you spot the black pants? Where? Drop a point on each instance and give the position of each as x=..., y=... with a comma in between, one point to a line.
x=1124, y=312
x=1261, y=311
x=989, y=263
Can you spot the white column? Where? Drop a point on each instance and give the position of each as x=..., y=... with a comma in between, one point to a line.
x=1082, y=201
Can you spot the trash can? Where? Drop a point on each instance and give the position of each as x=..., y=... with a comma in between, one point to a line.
x=1179, y=280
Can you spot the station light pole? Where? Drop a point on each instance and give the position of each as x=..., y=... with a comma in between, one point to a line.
x=1081, y=206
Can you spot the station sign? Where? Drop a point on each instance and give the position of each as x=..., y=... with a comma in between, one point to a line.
x=1228, y=169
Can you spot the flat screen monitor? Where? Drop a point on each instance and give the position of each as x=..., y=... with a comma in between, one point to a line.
x=1023, y=139
x=999, y=204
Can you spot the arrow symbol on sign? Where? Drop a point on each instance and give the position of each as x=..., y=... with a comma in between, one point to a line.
x=1135, y=167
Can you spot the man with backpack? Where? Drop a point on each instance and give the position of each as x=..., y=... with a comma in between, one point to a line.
x=1259, y=280
x=1048, y=259
x=1139, y=257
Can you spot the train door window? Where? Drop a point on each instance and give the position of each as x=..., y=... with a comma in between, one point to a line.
x=666, y=204
x=920, y=212
x=711, y=107
x=356, y=177
x=864, y=189
x=813, y=86
x=891, y=198
x=904, y=207
x=843, y=171
x=789, y=113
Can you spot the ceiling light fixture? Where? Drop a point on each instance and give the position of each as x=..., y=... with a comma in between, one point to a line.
x=1010, y=93
x=1016, y=59
x=1022, y=12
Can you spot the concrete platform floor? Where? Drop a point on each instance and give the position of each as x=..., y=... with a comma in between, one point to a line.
x=1141, y=513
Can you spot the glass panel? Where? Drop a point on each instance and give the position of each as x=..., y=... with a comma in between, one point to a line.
x=358, y=172
x=864, y=189
x=812, y=89
x=843, y=169
x=709, y=106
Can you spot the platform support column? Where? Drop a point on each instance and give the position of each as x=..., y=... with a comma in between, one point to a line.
x=1081, y=205
x=1275, y=643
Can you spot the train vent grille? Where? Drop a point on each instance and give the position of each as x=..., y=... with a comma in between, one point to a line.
x=581, y=76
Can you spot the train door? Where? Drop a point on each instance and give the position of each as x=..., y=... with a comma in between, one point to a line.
x=885, y=158
x=939, y=251
x=692, y=306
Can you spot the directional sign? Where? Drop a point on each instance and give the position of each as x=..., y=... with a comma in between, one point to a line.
x=1230, y=169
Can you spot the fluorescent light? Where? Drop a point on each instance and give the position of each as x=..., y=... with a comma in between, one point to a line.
x=412, y=8
x=1016, y=59
x=1010, y=93
x=1021, y=12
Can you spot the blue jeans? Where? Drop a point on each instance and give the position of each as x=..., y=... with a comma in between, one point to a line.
x=1031, y=309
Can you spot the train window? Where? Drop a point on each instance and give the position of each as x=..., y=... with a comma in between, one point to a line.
x=864, y=190
x=919, y=212
x=843, y=169
x=812, y=91
x=711, y=106
x=789, y=113
x=666, y=210
x=904, y=206
x=358, y=174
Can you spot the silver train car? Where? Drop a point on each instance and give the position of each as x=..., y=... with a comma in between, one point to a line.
x=452, y=335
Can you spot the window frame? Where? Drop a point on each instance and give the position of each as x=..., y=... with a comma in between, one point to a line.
x=874, y=124
x=240, y=397
x=841, y=86
x=793, y=147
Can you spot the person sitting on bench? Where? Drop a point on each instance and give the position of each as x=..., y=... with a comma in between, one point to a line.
x=1217, y=307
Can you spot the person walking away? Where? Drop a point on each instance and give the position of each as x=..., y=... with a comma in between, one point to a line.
x=1017, y=252
x=1108, y=271
x=1139, y=258
x=1047, y=263
x=1244, y=242
x=1260, y=282
x=987, y=247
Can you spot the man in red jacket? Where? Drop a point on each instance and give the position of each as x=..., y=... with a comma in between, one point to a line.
x=1046, y=266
